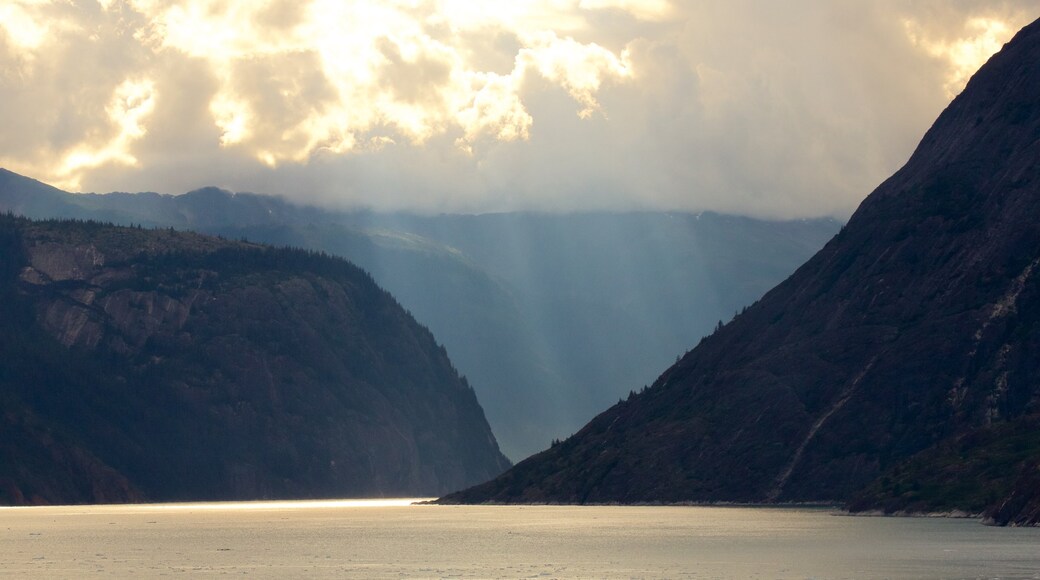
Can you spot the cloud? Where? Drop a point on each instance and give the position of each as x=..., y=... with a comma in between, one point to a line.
x=980, y=37
x=131, y=104
x=771, y=109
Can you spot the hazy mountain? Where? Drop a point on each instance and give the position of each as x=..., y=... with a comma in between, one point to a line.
x=161, y=365
x=907, y=345
x=604, y=301
x=551, y=317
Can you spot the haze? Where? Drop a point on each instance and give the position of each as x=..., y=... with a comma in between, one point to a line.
x=768, y=109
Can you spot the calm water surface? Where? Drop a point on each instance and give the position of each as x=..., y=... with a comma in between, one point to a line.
x=391, y=539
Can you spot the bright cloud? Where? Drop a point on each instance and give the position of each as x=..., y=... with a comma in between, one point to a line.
x=127, y=113
x=296, y=79
x=578, y=68
x=20, y=27
x=781, y=109
x=963, y=54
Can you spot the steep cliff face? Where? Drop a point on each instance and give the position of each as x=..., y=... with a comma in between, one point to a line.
x=914, y=325
x=164, y=365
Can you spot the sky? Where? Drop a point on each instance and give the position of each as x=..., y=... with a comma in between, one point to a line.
x=770, y=109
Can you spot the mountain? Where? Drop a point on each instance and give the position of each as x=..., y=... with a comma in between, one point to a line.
x=611, y=298
x=551, y=317
x=161, y=365
x=912, y=333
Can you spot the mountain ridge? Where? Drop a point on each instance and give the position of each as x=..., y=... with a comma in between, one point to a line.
x=911, y=326
x=556, y=316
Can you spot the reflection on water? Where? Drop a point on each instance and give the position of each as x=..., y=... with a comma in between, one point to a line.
x=271, y=505
x=219, y=506
x=393, y=539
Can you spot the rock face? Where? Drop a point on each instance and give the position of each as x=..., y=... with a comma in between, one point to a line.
x=158, y=365
x=916, y=325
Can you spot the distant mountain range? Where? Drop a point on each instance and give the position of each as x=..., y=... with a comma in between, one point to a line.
x=897, y=370
x=160, y=365
x=550, y=317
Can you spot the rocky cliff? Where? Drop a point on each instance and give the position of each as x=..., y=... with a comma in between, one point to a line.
x=159, y=365
x=914, y=330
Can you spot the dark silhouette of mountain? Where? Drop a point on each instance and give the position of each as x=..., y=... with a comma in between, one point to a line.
x=161, y=365
x=551, y=317
x=912, y=333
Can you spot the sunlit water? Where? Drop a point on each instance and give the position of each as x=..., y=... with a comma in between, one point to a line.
x=391, y=539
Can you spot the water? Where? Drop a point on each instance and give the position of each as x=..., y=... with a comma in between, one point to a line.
x=391, y=539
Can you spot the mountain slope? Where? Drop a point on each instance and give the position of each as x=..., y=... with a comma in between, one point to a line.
x=159, y=365
x=613, y=297
x=551, y=317
x=915, y=324
x=473, y=314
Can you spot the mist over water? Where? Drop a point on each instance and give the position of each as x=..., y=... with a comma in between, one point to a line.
x=391, y=539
